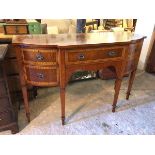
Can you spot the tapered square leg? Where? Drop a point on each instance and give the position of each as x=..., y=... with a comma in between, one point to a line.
x=63, y=120
x=132, y=76
x=117, y=89
x=62, y=97
x=26, y=103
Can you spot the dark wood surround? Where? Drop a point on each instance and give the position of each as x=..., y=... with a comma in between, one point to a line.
x=8, y=118
x=50, y=60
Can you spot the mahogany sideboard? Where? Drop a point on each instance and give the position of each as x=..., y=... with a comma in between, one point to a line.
x=8, y=118
x=50, y=60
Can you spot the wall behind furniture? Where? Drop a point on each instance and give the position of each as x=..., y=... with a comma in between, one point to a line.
x=60, y=25
x=145, y=27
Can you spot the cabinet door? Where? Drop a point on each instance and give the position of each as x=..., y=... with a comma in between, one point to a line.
x=10, y=29
x=22, y=29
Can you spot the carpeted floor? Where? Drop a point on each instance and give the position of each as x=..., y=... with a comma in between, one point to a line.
x=88, y=109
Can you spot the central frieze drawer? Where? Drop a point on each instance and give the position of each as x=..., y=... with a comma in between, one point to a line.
x=93, y=54
x=41, y=75
x=42, y=57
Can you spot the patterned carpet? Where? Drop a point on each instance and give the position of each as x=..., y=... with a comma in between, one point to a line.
x=88, y=109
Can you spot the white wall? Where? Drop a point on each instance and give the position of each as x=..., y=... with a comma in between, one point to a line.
x=145, y=27
x=55, y=26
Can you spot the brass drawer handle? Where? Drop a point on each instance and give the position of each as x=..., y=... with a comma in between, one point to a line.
x=81, y=56
x=112, y=53
x=39, y=57
x=40, y=75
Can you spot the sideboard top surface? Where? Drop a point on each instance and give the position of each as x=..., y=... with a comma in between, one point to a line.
x=76, y=39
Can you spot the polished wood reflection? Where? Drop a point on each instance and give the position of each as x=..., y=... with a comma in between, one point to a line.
x=50, y=60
